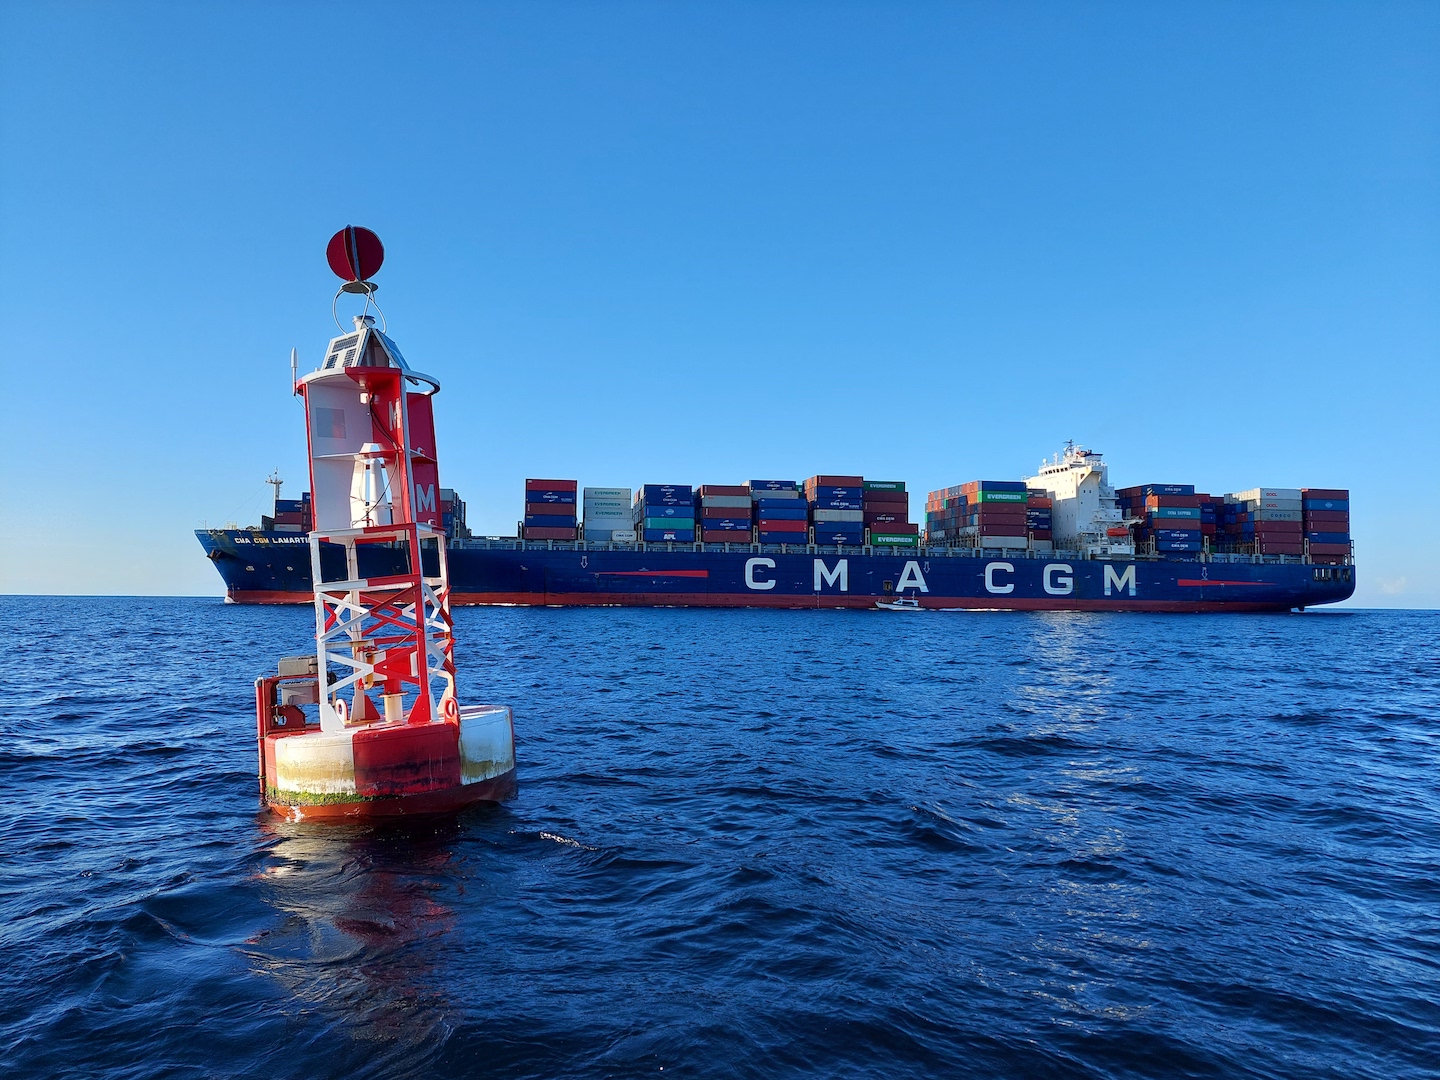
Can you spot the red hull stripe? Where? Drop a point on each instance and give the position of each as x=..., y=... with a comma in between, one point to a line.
x=650, y=599
x=1201, y=582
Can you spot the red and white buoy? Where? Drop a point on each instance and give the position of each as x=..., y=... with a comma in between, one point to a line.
x=388, y=735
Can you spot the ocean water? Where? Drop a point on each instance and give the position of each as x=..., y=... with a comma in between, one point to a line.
x=745, y=844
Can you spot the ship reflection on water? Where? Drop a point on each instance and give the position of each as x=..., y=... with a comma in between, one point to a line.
x=359, y=924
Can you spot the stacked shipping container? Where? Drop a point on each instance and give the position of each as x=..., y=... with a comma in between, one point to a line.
x=1170, y=518
x=292, y=515
x=886, y=506
x=781, y=514
x=549, y=510
x=725, y=514
x=1038, y=507
x=1263, y=521
x=837, y=509
x=665, y=512
x=982, y=513
x=607, y=512
x=1325, y=514
x=452, y=515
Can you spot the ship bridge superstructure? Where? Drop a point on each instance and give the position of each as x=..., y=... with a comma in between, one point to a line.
x=1085, y=514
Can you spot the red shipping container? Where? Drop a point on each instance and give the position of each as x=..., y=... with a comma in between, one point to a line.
x=550, y=485
x=1191, y=501
x=834, y=481
x=724, y=512
x=290, y=517
x=534, y=532
x=1329, y=549
x=1039, y=502
x=899, y=528
x=1208, y=529
x=883, y=519
x=725, y=536
x=1321, y=517
x=1040, y=534
x=552, y=509
x=1279, y=528
x=1003, y=530
x=1004, y=517
x=1327, y=560
x=732, y=490
x=1271, y=547
x=783, y=526
x=1325, y=493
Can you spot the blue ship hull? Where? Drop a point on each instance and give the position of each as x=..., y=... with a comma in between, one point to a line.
x=271, y=568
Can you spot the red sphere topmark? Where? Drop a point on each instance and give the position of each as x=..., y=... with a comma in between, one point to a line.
x=355, y=253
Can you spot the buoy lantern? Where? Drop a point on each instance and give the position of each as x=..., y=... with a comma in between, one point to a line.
x=385, y=733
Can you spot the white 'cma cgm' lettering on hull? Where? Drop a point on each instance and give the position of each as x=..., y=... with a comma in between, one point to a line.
x=911, y=576
x=751, y=565
x=841, y=573
x=991, y=585
x=1119, y=580
x=1061, y=586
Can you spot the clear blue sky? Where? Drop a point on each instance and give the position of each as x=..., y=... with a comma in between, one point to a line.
x=659, y=242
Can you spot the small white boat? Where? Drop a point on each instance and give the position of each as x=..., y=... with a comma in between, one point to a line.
x=900, y=603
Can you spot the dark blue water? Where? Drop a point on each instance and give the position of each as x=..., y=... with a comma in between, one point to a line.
x=745, y=844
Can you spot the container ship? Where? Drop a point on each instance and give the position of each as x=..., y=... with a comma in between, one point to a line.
x=1061, y=539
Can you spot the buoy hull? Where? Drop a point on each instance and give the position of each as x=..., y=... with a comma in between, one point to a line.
x=390, y=770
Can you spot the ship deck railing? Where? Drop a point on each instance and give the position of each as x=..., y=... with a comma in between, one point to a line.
x=510, y=543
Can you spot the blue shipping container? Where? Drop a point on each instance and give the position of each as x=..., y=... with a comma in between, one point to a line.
x=1342, y=505
x=550, y=521
x=839, y=493
x=838, y=504
x=710, y=524
x=1168, y=489
x=683, y=536
x=791, y=510
x=669, y=523
x=773, y=485
x=1177, y=545
x=1001, y=485
x=653, y=510
x=1192, y=512
x=666, y=495
x=1328, y=538
x=1181, y=535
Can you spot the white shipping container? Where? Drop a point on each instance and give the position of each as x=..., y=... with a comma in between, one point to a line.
x=1278, y=515
x=839, y=515
x=598, y=534
x=1268, y=493
x=606, y=524
x=789, y=493
x=1042, y=545
x=608, y=493
x=1272, y=504
x=738, y=502
x=623, y=536
x=606, y=509
x=1002, y=541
